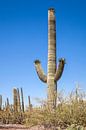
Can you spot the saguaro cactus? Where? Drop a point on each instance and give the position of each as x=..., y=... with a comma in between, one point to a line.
x=22, y=98
x=29, y=101
x=7, y=102
x=0, y=102
x=18, y=100
x=53, y=74
x=15, y=99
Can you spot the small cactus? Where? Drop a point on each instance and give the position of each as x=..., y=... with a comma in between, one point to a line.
x=29, y=101
x=18, y=100
x=22, y=98
x=7, y=102
x=15, y=99
x=7, y=105
x=0, y=102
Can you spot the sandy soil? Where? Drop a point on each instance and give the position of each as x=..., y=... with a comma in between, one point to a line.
x=19, y=127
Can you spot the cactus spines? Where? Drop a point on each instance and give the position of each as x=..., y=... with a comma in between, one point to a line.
x=22, y=100
x=0, y=102
x=53, y=74
x=15, y=99
x=18, y=100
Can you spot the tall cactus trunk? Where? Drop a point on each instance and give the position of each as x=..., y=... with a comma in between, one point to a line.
x=0, y=102
x=52, y=87
x=29, y=101
x=7, y=105
x=18, y=100
x=15, y=99
x=53, y=74
x=30, y=105
x=22, y=98
x=7, y=102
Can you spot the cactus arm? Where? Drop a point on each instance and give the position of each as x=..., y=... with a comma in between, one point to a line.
x=40, y=72
x=60, y=69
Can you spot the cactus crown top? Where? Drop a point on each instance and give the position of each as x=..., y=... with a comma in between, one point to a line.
x=51, y=9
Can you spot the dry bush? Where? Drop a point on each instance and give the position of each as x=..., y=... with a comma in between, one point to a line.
x=71, y=110
x=6, y=117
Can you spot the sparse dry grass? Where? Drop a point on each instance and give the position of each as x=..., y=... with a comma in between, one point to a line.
x=70, y=111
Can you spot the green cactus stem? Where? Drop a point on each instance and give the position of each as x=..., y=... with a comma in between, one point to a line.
x=29, y=101
x=53, y=74
x=18, y=100
x=15, y=99
x=7, y=105
x=22, y=100
x=7, y=102
x=0, y=102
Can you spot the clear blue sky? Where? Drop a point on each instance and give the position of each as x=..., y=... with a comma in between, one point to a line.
x=24, y=36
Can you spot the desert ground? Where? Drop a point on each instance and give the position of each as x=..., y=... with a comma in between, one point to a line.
x=19, y=127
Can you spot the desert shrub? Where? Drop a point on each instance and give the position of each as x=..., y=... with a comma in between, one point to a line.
x=71, y=110
x=11, y=118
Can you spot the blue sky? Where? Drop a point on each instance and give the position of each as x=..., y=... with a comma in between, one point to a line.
x=24, y=36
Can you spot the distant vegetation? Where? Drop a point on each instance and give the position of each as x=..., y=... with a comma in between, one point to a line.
x=70, y=112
